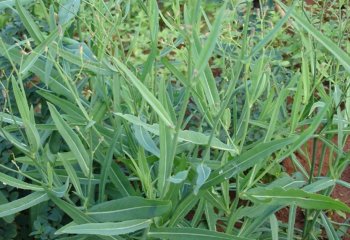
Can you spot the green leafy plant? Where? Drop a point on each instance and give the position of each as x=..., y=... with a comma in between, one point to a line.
x=159, y=120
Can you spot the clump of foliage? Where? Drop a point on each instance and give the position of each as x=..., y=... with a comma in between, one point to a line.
x=170, y=119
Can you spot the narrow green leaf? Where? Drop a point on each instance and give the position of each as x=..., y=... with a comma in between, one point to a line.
x=106, y=165
x=331, y=232
x=190, y=234
x=291, y=222
x=319, y=185
x=209, y=46
x=27, y=116
x=71, y=139
x=129, y=208
x=167, y=146
x=274, y=227
x=146, y=94
x=121, y=182
x=15, y=141
x=184, y=135
x=38, y=51
x=67, y=106
x=280, y=196
x=22, y=203
x=72, y=174
x=85, y=63
x=72, y=211
x=183, y=208
x=107, y=229
x=247, y=160
x=29, y=23
x=14, y=182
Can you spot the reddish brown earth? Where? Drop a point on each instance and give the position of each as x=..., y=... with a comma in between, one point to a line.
x=339, y=192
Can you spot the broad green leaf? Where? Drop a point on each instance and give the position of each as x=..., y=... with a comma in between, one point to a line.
x=279, y=196
x=38, y=51
x=190, y=234
x=22, y=203
x=14, y=182
x=203, y=172
x=72, y=140
x=108, y=228
x=67, y=11
x=146, y=94
x=129, y=208
x=184, y=135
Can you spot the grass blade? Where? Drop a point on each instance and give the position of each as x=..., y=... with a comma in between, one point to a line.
x=184, y=135
x=29, y=23
x=291, y=222
x=38, y=51
x=71, y=139
x=106, y=164
x=246, y=160
x=209, y=46
x=146, y=94
x=190, y=234
x=14, y=182
x=72, y=175
x=22, y=203
x=279, y=196
x=107, y=229
x=129, y=208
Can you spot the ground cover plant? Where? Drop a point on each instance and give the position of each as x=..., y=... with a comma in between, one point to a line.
x=174, y=119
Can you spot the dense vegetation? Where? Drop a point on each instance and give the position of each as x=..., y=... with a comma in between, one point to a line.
x=173, y=119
